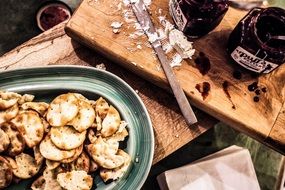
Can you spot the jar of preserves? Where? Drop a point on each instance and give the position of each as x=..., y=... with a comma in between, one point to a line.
x=196, y=18
x=257, y=43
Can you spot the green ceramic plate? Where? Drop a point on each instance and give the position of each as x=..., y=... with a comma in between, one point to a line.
x=48, y=82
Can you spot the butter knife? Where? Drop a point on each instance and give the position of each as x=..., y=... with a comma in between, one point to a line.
x=144, y=19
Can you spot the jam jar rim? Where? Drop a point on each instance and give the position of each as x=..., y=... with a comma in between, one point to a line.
x=263, y=45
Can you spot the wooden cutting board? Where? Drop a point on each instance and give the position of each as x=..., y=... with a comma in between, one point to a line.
x=263, y=120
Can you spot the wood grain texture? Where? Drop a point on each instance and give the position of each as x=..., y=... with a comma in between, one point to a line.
x=54, y=47
x=91, y=25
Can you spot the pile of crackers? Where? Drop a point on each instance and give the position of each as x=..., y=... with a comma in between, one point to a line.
x=62, y=143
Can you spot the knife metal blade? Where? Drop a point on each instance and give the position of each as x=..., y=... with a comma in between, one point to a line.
x=144, y=19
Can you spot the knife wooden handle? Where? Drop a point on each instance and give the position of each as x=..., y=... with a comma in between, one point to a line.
x=182, y=101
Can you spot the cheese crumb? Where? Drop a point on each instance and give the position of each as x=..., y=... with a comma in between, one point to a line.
x=116, y=25
x=152, y=37
x=176, y=60
x=101, y=66
x=116, y=31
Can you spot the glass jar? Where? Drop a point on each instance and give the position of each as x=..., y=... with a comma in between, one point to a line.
x=258, y=41
x=196, y=18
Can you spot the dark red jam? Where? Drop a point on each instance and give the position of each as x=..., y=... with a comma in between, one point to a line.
x=203, y=63
x=258, y=41
x=204, y=88
x=52, y=15
x=197, y=17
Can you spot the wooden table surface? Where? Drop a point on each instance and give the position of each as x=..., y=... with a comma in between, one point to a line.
x=54, y=47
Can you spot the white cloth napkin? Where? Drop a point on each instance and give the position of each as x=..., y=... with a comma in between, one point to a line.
x=228, y=169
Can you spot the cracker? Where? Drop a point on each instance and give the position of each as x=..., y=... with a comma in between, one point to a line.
x=6, y=174
x=101, y=107
x=46, y=125
x=50, y=180
x=119, y=136
x=111, y=122
x=75, y=180
x=78, y=151
x=26, y=166
x=17, y=142
x=11, y=161
x=4, y=141
x=26, y=98
x=114, y=174
x=91, y=135
x=98, y=121
x=93, y=166
x=40, y=107
x=66, y=137
x=62, y=110
x=85, y=117
x=39, y=183
x=8, y=99
x=80, y=97
x=104, y=153
x=81, y=163
x=51, y=152
x=37, y=155
x=51, y=164
x=8, y=114
x=30, y=125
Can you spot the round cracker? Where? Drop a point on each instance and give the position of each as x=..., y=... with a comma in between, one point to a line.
x=30, y=125
x=81, y=163
x=119, y=136
x=116, y=173
x=50, y=180
x=8, y=99
x=75, y=180
x=26, y=166
x=78, y=151
x=51, y=152
x=85, y=117
x=111, y=122
x=62, y=110
x=66, y=137
x=39, y=107
x=93, y=166
x=26, y=98
x=104, y=153
x=11, y=161
x=46, y=125
x=91, y=135
x=6, y=173
x=101, y=107
x=80, y=97
x=51, y=164
x=38, y=156
x=4, y=141
x=39, y=183
x=17, y=142
x=8, y=114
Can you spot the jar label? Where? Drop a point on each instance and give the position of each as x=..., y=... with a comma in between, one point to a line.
x=252, y=62
x=177, y=14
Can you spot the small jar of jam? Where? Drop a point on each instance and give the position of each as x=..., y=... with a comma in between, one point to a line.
x=196, y=18
x=258, y=41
